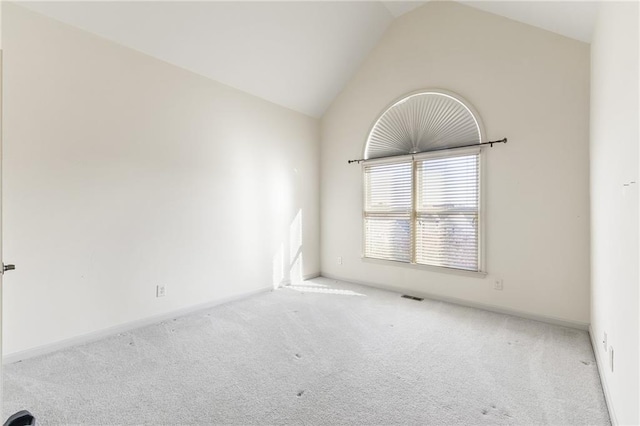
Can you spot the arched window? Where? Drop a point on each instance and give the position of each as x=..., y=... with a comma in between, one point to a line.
x=422, y=183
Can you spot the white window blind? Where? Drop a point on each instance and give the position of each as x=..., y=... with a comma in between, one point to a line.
x=387, y=212
x=447, y=210
x=432, y=221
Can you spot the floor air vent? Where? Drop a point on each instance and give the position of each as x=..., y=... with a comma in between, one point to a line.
x=419, y=299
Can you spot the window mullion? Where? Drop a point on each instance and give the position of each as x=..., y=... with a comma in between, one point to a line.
x=414, y=195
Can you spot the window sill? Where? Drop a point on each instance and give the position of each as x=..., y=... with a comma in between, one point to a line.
x=439, y=269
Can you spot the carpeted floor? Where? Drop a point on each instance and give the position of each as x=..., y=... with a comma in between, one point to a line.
x=325, y=352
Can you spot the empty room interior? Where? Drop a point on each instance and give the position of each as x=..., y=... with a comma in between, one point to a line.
x=320, y=212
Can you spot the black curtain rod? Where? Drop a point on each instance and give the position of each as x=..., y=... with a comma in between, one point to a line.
x=504, y=140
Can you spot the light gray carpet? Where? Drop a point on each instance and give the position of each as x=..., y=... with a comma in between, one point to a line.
x=321, y=353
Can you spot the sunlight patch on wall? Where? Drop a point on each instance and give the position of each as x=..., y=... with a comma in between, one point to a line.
x=288, y=263
x=278, y=267
x=295, y=249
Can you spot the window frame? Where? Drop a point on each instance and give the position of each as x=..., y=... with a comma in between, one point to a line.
x=414, y=158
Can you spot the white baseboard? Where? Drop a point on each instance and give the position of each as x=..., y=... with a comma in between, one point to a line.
x=311, y=276
x=110, y=331
x=287, y=281
x=492, y=308
x=603, y=381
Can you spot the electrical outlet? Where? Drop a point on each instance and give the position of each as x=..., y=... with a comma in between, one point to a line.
x=611, y=357
x=161, y=290
x=339, y=260
x=498, y=284
x=604, y=341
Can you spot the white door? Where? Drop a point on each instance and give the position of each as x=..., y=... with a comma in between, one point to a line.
x=1, y=289
x=3, y=268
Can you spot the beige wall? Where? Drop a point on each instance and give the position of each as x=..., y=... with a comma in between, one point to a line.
x=122, y=172
x=615, y=255
x=527, y=84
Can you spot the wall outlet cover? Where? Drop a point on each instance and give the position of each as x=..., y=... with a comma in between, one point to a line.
x=161, y=290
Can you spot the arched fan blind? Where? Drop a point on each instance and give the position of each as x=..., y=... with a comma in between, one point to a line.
x=422, y=122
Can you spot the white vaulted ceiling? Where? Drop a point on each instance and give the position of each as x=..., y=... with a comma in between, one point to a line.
x=574, y=19
x=296, y=54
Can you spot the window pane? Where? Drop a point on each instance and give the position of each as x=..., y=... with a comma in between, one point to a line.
x=388, y=187
x=388, y=238
x=449, y=240
x=445, y=228
x=447, y=212
x=449, y=183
